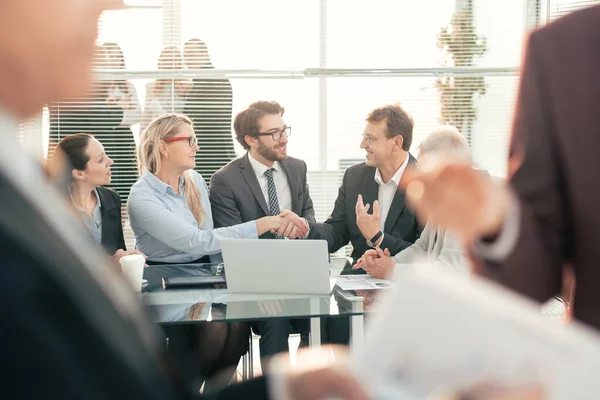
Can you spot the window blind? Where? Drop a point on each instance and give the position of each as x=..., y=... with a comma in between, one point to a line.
x=328, y=62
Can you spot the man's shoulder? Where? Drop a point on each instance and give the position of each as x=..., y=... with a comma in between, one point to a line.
x=230, y=168
x=575, y=29
x=292, y=161
x=358, y=170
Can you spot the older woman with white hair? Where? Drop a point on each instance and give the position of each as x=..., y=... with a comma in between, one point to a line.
x=436, y=245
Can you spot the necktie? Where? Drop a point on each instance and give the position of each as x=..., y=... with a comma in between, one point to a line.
x=273, y=201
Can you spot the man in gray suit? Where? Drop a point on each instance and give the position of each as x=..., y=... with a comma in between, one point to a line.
x=265, y=181
x=436, y=244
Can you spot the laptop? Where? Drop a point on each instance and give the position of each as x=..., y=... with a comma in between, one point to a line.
x=276, y=266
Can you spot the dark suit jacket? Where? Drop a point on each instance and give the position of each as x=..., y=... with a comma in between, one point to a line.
x=71, y=328
x=554, y=157
x=112, y=225
x=208, y=104
x=236, y=197
x=401, y=227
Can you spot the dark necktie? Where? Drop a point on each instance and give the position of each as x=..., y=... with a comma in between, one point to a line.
x=273, y=201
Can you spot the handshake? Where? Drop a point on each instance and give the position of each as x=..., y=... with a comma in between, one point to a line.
x=286, y=224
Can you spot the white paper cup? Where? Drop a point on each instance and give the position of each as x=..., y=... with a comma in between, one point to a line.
x=132, y=266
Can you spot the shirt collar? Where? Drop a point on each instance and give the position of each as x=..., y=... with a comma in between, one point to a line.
x=158, y=184
x=260, y=168
x=397, y=176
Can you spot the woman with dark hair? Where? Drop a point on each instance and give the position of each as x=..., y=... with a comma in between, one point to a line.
x=99, y=208
x=120, y=143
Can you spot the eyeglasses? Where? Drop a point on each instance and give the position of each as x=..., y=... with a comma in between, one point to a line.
x=192, y=141
x=276, y=135
x=368, y=138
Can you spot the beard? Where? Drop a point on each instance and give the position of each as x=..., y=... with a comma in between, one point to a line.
x=268, y=153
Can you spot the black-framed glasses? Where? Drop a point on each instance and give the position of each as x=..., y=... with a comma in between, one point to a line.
x=192, y=141
x=277, y=134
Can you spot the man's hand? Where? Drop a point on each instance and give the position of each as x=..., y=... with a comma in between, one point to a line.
x=292, y=226
x=369, y=224
x=360, y=262
x=377, y=263
x=318, y=374
x=459, y=198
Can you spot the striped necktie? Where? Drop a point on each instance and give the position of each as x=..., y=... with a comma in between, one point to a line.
x=273, y=201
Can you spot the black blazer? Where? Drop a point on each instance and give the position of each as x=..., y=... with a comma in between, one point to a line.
x=401, y=226
x=236, y=197
x=112, y=225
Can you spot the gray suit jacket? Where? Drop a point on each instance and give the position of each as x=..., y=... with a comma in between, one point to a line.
x=401, y=227
x=436, y=245
x=236, y=197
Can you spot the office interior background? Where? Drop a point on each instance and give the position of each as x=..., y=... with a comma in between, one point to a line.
x=330, y=62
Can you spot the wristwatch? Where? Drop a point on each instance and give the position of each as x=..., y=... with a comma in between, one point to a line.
x=374, y=239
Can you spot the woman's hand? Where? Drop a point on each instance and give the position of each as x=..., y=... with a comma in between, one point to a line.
x=122, y=253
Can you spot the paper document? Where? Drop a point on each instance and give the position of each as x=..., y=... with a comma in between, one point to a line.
x=434, y=331
x=362, y=282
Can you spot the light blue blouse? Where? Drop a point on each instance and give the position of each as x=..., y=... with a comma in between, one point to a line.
x=165, y=228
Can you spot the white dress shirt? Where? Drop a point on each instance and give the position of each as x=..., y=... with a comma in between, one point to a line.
x=284, y=196
x=388, y=190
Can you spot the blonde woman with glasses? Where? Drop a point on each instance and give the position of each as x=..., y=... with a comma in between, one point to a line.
x=170, y=214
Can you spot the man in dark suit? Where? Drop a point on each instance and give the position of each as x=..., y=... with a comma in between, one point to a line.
x=265, y=181
x=391, y=225
x=72, y=327
x=548, y=216
x=208, y=105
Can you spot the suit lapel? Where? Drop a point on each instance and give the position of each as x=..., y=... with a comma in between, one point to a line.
x=294, y=185
x=250, y=177
x=108, y=223
x=370, y=189
x=398, y=203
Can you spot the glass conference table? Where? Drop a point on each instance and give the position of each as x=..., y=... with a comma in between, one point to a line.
x=192, y=305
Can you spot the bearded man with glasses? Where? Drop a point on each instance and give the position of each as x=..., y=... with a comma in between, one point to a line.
x=263, y=182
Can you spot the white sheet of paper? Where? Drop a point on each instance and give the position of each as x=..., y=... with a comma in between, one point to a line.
x=435, y=331
x=362, y=282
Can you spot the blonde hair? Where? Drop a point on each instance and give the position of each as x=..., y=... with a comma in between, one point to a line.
x=149, y=157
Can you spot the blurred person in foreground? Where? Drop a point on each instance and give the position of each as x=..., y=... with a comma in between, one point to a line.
x=524, y=234
x=73, y=329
